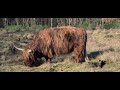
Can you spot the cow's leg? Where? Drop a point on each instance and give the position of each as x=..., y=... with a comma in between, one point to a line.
x=49, y=63
x=79, y=54
x=46, y=60
x=75, y=55
x=82, y=54
x=49, y=59
x=80, y=58
x=85, y=55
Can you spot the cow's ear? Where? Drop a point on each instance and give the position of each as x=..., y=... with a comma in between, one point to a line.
x=29, y=50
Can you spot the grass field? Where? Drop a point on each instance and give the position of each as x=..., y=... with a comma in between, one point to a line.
x=102, y=45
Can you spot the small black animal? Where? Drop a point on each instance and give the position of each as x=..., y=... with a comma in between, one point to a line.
x=102, y=63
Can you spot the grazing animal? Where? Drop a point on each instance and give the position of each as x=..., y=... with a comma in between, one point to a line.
x=56, y=41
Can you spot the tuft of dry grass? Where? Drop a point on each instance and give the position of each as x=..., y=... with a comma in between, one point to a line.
x=102, y=45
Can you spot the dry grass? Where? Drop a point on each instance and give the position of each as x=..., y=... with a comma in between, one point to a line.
x=102, y=45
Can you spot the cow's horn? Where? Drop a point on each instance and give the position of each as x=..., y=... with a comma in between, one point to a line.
x=21, y=49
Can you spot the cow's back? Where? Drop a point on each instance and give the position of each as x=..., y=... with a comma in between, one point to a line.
x=65, y=38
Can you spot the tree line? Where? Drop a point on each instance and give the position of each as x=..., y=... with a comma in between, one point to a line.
x=53, y=22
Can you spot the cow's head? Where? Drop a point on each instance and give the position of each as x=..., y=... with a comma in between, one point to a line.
x=28, y=56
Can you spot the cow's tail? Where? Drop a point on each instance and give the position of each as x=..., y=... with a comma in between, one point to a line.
x=85, y=50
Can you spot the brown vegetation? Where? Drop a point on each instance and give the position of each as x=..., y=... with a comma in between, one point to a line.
x=102, y=45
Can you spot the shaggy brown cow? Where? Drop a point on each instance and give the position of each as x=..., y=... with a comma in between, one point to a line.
x=56, y=41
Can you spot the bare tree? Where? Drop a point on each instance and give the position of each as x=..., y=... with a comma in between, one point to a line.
x=51, y=23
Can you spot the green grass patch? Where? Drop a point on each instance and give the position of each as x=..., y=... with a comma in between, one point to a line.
x=38, y=27
x=112, y=25
x=14, y=28
x=87, y=26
